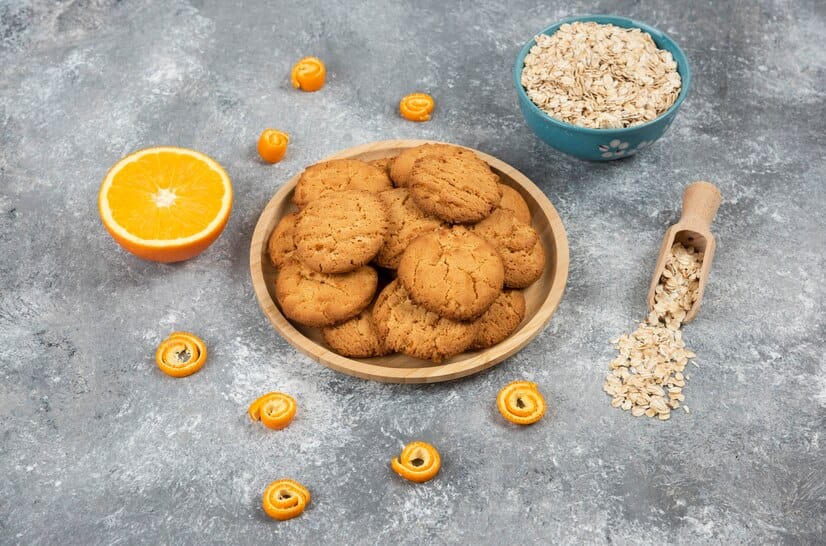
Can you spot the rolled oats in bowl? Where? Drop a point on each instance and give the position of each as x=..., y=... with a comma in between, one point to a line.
x=600, y=76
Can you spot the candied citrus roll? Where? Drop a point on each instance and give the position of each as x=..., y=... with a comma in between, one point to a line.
x=181, y=354
x=308, y=74
x=521, y=402
x=418, y=462
x=416, y=106
x=275, y=409
x=285, y=499
x=272, y=145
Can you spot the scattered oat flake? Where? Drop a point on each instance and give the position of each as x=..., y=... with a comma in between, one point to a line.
x=651, y=360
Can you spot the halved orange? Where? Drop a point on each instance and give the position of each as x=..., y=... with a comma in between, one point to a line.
x=165, y=204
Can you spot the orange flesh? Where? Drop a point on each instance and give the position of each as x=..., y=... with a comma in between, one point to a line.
x=165, y=196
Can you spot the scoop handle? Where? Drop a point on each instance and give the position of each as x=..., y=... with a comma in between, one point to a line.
x=700, y=203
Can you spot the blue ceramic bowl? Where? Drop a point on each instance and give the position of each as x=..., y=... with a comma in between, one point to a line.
x=601, y=144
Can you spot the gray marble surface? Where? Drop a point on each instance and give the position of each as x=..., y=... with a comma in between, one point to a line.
x=98, y=447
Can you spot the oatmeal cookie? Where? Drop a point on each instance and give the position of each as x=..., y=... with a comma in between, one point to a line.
x=356, y=338
x=323, y=299
x=513, y=201
x=402, y=165
x=452, y=272
x=500, y=320
x=336, y=175
x=340, y=231
x=456, y=188
x=519, y=245
x=413, y=330
x=281, y=245
x=406, y=221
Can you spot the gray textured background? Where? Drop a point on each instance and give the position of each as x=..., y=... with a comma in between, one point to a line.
x=97, y=446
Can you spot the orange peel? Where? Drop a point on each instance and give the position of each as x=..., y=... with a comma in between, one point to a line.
x=308, y=74
x=416, y=106
x=285, y=499
x=520, y=402
x=418, y=462
x=275, y=410
x=272, y=145
x=181, y=354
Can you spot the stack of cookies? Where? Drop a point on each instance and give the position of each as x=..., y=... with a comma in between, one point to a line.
x=454, y=247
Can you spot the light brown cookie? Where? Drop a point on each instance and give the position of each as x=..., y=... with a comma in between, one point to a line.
x=322, y=299
x=413, y=330
x=336, y=175
x=500, y=320
x=519, y=245
x=403, y=164
x=405, y=222
x=457, y=189
x=356, y=338
x=384, y=164
x=513, y=201
x=452, y=272
x=340, y=231
x=281, y=245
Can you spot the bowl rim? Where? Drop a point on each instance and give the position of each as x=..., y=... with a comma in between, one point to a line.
x=474, y=361
x=627, y=22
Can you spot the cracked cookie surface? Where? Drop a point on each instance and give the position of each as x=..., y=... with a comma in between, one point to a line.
x=405, y=222
x=403, y=164
x=281, y=245
x=513, y=201
x=411, y=329
x=519, y=245
x=456, y=188
x=356, y=337
x=336, y=175
x=323, y=299
x=340, y=231
x=452, y=272
x=384, y=163
x=500, y=320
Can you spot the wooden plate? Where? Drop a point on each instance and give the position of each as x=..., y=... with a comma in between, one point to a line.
x=541, y=298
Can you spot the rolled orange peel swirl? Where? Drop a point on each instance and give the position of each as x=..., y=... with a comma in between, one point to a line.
x=275, y=410
x=272, y=145
x=418, y=462
x=181, y=354
x=308, y=74
x=521, y=402
x=416, y=106
x=285, y=499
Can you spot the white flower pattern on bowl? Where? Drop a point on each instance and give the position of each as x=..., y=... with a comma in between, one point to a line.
x=617, y=148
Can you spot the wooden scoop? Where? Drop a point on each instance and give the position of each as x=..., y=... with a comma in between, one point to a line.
x=700, y=203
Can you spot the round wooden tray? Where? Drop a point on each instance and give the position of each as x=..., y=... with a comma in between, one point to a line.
x=541, y=298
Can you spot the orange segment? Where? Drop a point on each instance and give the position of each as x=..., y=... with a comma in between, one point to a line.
x=165, y=204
